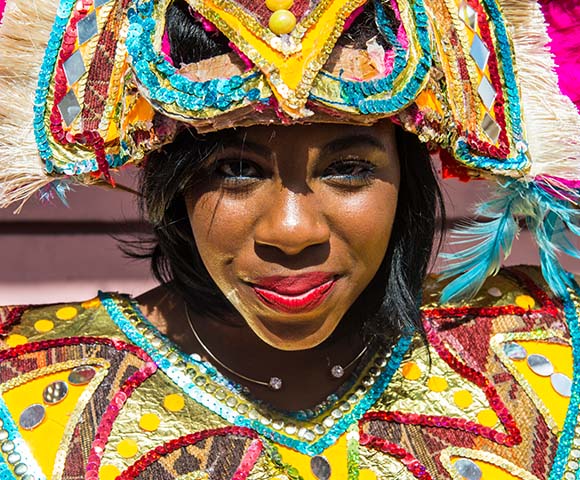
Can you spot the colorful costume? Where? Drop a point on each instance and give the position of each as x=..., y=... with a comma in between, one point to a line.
x=92, y=390
x=508, y=410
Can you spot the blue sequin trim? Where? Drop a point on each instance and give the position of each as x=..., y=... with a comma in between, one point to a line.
x=20, y=447
x=151, y=68
x=571, y=421
x=185, y=381
x=356, y=93
x=44, y=79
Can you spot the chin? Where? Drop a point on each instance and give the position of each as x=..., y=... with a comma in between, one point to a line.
x=293, y=335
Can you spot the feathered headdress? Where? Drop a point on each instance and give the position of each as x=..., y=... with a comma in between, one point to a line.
x=87, y=86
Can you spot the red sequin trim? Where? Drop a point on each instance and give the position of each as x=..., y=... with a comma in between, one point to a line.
x=63, y=342
x=499, y=106
x=546, y=304
x=10, y=316
x=413, y=465
x=152, y=456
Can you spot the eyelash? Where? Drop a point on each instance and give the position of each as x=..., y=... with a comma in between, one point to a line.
x=354, y=172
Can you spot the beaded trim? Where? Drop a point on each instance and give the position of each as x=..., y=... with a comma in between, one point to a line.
x=566, y=466
x=496, y=344
x=493, y=459
x=59, y=462
x=205, y=385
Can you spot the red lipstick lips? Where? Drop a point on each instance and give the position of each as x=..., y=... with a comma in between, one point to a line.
x=295, y=294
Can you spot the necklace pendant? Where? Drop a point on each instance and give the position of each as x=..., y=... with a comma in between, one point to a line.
x=275, y=383
x=337, y=371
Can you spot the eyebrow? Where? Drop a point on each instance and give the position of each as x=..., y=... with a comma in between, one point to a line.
x=357, y=140
x=243, y=144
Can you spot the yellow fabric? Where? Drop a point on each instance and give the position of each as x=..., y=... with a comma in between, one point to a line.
x=561, y=358
x=54, y=424
x=336, y=456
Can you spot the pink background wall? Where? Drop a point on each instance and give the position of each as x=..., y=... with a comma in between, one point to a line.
x=52, y=253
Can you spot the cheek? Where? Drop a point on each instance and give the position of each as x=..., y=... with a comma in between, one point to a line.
x=218, y=225
x=365, y=223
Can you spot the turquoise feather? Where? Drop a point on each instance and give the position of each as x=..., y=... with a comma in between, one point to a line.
x=485, y=244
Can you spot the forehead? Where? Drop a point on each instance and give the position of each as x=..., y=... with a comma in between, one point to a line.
x=316, y=135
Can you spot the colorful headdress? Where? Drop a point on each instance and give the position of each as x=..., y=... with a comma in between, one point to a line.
x=87, y=86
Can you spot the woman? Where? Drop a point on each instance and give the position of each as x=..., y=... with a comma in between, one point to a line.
x=287, y=339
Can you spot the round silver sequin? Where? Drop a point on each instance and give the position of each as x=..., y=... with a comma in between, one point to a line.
x=55, y=392
x=514, y=351
x=81, y=375
x=290, y=429
x=494, y=292
x=562, y=384
x=320, y=467
x=540, y=365
x=468, y=469
x=32, y=416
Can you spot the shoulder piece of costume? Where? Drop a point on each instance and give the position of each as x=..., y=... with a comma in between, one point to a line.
x=94, y=391
x=87, y=86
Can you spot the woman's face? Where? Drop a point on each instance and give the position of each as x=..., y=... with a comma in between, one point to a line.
x=295, y=222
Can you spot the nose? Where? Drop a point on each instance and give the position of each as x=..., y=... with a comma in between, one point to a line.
x=292, y=222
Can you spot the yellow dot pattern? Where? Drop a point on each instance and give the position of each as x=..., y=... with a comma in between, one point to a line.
x=411, y=371
x=15, y=340
x=108, y=472
x=43, y=326
x=437, y=384
x=127, y=448
x=149, y=422
x=66, y=313
x=463, y=398
x=366, y=474
x=174, y=402
x=487, y=418
x=525, y=301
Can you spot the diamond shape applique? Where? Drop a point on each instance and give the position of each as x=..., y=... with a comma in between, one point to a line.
x=486, y=92
x=69, y=107
x=479, y=52
x=87, y=27
x=490, y=127
x=74, y=68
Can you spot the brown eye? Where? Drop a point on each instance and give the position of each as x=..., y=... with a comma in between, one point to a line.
x=238, y=169
x=350, y=172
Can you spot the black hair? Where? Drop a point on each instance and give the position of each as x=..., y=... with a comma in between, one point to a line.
x=389, y=304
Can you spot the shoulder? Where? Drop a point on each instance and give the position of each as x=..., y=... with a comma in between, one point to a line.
x=33, y=323
x=492, y=384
